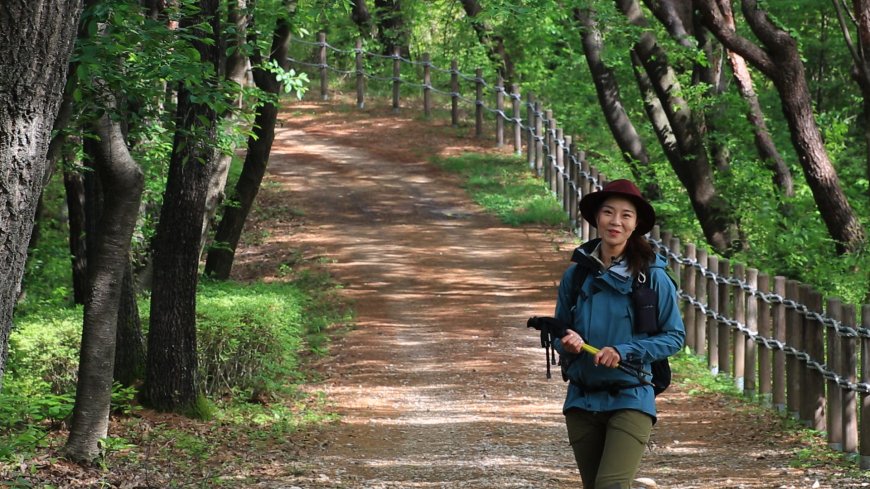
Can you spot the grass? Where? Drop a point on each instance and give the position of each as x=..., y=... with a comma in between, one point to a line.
x=504, y=186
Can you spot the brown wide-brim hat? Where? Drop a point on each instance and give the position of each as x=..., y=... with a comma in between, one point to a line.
x=646, y=215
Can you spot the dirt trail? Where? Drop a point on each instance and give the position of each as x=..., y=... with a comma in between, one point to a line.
x=441, y=384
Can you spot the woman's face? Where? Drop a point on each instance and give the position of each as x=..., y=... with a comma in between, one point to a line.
x=616, y=219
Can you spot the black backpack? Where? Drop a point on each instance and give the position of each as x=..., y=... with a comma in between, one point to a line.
x=644, y=300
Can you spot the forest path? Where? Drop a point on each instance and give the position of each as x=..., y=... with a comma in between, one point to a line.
x=441, y=385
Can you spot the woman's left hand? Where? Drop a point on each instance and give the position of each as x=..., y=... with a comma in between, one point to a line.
x=607, y=356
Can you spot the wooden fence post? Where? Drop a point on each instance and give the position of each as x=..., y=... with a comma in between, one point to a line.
x=724, y=338
x=549, y=138
x=518, y=130
x=865, y=397
x=324, y=86
x=793, y=339
x=397, y=77
x=674, y=247
x=588, y=186
x=750, y=353
x=575, y=159
x=360, y=76
x=558, y=164
x=499, y=114
x=779, y=333
x=688, y=282
x=738, y=345
x=454, y=93
x=712, y=323
x=531, y=135
x=566, y=177
x=539, y=139
x=849, y=368
x=835, y=394
x=478, y=103
x=766, y=332
x=814, y=345
x=427, y=86
x=701, y=288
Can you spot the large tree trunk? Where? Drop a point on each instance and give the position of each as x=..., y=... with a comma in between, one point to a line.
x=780, y=61
x=236, y=68
x=764, y=144
x=171, y=366
x=107, y=262
x=220, y=257
x=36, y=39
x=129, y=341
x=683, y=144
x=73, y=183
x=607, y=87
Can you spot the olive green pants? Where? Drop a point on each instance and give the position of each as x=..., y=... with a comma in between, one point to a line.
x=608, y=446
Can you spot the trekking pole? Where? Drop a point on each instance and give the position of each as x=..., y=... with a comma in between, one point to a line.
x=637, y=372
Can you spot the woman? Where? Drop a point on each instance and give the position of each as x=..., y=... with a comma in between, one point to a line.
x=609, y=413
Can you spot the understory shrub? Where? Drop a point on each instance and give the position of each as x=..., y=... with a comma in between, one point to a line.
x=249, y=335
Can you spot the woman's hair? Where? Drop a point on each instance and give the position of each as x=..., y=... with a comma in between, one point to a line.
x=639, y=253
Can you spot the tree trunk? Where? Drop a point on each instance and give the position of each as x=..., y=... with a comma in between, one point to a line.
x=129, y=341
x=780, y=61
x=32, y=78
x=607, y=87
x=171, y=365
x=220, y=257
x=236, y=68
x=107, y=261
x=782, y=178
x=683, y=145
x=73, y=183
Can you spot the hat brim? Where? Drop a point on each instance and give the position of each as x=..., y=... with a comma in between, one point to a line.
x=646, y=215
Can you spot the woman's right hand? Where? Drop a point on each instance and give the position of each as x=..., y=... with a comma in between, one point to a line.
x=572, y=342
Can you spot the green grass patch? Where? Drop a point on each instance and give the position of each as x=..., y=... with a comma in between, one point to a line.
x=504, y=186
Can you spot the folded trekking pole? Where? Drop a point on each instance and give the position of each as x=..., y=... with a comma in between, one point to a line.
x=552, y=328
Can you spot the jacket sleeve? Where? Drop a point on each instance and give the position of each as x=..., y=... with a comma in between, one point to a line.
x=673, y=332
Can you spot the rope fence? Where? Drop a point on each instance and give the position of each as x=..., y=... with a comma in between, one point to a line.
x=782, y=342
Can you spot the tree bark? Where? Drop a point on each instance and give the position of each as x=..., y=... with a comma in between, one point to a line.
x=770, y=156
x=129, y=341
x=221, y=256
x=682, y=143
x=360, y=16
x=780, y=61
x=236, y=68
x=171, y=364
x=73, y=183
x=107, y=261
x=36, y=39
x=607, y=88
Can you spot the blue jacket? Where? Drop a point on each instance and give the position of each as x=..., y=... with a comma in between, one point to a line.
x=603, y=316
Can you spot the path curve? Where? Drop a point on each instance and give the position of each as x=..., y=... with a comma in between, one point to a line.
x=441, y=384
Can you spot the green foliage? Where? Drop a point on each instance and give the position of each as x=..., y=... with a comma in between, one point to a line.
x=44, y=350
x=504, y=186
